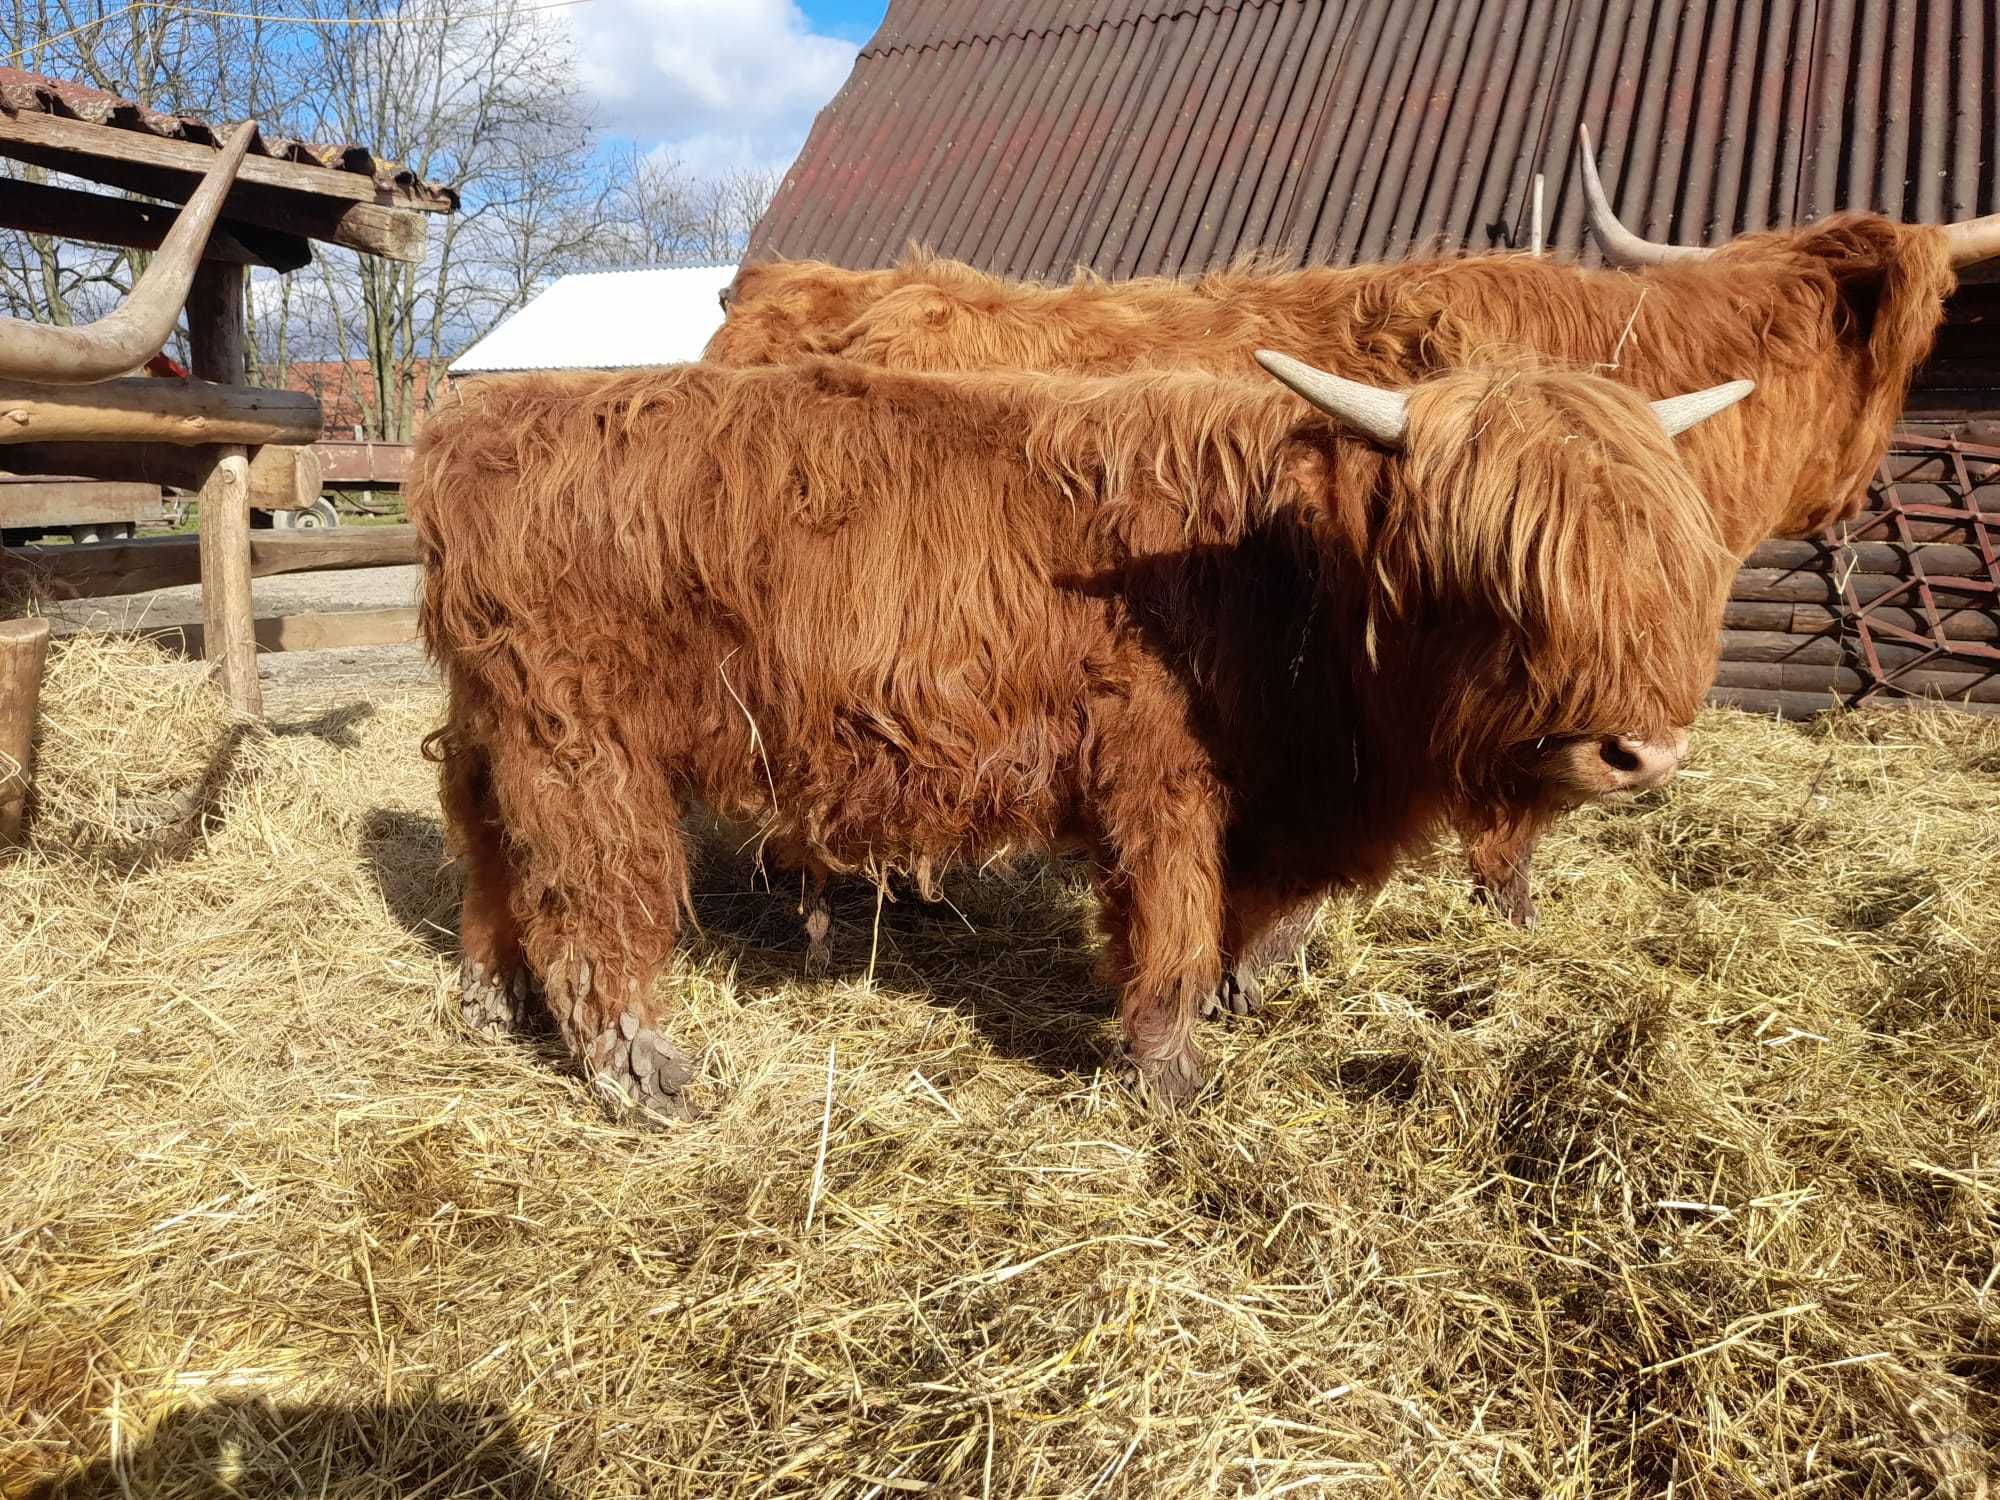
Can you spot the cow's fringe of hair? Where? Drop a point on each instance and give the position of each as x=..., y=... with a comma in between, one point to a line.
x=1830, y=320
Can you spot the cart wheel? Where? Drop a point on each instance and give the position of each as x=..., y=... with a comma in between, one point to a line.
x=314, y=517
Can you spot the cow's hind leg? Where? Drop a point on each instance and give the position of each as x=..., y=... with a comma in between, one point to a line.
x=602, y=879
x=497, y=994
x=1262, y=930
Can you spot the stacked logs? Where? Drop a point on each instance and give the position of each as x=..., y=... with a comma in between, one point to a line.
x=1902, y=607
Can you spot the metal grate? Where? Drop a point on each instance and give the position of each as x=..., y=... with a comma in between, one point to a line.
x=1930, y=632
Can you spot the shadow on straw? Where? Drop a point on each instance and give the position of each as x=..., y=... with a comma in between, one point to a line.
x=256, y=1449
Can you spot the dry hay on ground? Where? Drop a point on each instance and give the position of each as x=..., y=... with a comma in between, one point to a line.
x=1694, y=1190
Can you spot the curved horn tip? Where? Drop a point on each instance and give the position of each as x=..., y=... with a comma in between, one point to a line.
x=1677, y=414
x=1368, y=409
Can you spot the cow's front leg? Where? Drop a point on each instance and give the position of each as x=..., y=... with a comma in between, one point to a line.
x=1163, y=890
x=1500, y=848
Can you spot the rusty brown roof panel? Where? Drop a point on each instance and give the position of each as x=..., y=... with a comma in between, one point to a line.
x=1140, y=136
x=33, y=93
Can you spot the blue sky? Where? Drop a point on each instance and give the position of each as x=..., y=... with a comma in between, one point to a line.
x=717, y=84
x=854, y=19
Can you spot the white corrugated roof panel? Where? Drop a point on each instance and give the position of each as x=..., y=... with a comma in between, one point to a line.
x=607, y=320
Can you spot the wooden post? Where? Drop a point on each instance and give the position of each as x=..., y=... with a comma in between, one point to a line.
x=24, y=646
x=215, y=337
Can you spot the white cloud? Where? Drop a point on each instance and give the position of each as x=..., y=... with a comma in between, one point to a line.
x=716, y=83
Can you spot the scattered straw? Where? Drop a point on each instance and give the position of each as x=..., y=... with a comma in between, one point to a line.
x=1693, y=1190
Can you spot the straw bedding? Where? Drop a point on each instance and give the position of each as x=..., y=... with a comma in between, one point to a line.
x=1693, y=1190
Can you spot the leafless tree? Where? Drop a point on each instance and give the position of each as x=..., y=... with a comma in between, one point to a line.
x=657, y=212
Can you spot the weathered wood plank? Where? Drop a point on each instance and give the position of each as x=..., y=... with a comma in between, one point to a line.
x=73, y=502
x=94, y=218
x=1963, y=685
x=109, y=143
x=24, y=647
x=1960, y=624
x=142, y=409
x=173, y=169
x=138, y=567
x=1940, y=560
x=1810, y=586
x=280, y=478
x=334, y=630
x=1800, y=705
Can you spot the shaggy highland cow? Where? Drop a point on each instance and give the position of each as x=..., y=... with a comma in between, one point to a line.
x=1239, y=651
x=1829, y=320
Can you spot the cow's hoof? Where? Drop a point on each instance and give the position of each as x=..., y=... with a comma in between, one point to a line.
x=1512, y=899
x=1166, y=1084
x=1241, y=993
x=638, y=1074
x=496, y=1005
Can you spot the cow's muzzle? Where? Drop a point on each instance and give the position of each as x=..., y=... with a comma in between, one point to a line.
x=1626, y=763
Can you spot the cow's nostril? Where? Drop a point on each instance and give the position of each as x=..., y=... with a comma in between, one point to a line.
x=1618, y=757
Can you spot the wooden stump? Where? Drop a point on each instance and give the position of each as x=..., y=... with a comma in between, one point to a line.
x=24, y=648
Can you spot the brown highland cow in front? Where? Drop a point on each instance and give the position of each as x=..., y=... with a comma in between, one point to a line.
x=1238, y=653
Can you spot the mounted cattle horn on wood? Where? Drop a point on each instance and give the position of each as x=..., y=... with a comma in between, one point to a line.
x=126, y=338
x=1970, y=241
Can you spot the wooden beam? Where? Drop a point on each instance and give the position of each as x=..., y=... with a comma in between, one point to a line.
x=149, y=410
x=267, y=193
x=24, y=649
x=280, y=478
x=1806, y=705
x=128, y=223
x=72, y=502
x=215, y=347
x=333, y=630
x=138, y=567
x=110, y=143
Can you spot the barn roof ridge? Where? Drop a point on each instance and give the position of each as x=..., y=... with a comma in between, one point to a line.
x=1129, y=16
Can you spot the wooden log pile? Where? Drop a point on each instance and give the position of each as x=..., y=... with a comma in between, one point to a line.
x=1902, y=607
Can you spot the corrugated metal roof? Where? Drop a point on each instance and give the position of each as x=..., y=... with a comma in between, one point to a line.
x=1147, y=136
x=33, y=93
x=607, y=320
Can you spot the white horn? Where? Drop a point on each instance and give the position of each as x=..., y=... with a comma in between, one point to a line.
x=1368, y=409
x=1678, y=413
x=135, y=330
x=1621, y=246
x=1973, y=240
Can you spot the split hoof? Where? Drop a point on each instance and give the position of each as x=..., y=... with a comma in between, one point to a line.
x=1511, y=899
x=1241, y=993
x=495, y=1005
x=1166, y=1085
x=638, y=1074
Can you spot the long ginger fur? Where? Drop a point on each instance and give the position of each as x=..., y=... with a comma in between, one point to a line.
x=901, y=621
x=1830, y=320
